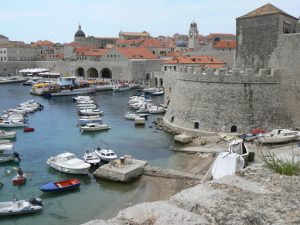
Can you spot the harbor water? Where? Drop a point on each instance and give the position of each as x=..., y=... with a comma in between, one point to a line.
x=56, y=131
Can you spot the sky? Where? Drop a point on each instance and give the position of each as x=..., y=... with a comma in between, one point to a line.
x=57, y=20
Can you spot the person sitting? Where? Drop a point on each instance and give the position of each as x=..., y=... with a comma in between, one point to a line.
x=20, y=172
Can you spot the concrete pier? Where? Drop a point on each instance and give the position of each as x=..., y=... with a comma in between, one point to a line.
x=122, y=170
x=183, y=138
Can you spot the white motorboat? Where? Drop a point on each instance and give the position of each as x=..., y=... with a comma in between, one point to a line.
x=87, y=106
x=82, y=98
x=157, y=110
x=82, y=122
x=105, y=154
x=90, y=112
x=132, y=116
x=7, y=134
x=94, y=127
x=91, y=158
x=12, y=123
x=278, y=136
x=68, y=163
x=6, y=152
x=8, y=80
x=231, y=161
x=157, y=92
x=20, y=207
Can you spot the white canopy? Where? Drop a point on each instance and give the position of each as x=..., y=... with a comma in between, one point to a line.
x=34, y=70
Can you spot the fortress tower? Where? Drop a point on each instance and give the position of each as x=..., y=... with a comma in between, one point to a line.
x=193, y=36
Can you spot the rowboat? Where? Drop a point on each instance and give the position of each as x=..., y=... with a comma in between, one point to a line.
x=59, y=186
x=19, y=179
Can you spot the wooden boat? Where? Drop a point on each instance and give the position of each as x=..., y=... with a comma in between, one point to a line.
x=28, y=129
x=19, y=179
x=20, y=206
x=59, y=186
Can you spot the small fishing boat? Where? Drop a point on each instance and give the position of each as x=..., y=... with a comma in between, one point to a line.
x=19, y=179
x=59, y=186
x=94, y=127
x=132, y=116
x=28, y=129
x=20, y=206
x=278, y=136
x=7, y=134
x=105, y=154
x=91, y=158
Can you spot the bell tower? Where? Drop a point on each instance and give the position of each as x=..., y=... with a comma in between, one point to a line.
x=193, y=36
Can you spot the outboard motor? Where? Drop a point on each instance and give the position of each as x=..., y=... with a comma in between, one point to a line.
x=17, y=156
x=36, y=201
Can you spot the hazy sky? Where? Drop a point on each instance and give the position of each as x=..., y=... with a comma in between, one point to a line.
x=57, y=20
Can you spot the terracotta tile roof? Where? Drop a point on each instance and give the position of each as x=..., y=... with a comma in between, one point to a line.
x=225, y=44
x=42, y=43
x=155, y=43
x=128, y=42
x=136, y=53
x=213, y=35
x=144, y=34
x=201, y=60
x=265, y=10
x=95, y=52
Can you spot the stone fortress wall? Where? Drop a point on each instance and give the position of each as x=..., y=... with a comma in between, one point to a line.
x=221, y=100
x=265, y=96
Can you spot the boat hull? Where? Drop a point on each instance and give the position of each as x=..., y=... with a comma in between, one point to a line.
x=271, y=140
x=60, y=168
x=79, y=91
x=60, y=186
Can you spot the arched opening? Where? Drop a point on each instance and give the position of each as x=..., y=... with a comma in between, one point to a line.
x=147, y=76
x=106, y=73
x=79, y=72
x=155, y=82
x=170, y=89
x=196, y=125
x=168, y=103
x=233, y=129
x=161, y=82
x=92, y=73
x=172, y=119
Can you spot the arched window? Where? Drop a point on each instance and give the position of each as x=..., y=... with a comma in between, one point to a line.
x=233, y=129
x=147, y=76
x=196, y=125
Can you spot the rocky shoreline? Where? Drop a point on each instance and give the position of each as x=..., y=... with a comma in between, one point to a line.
x=255, y=195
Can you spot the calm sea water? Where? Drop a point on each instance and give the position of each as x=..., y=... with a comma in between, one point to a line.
x=55, y=132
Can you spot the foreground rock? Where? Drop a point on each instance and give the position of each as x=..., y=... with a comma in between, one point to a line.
x=254, y=196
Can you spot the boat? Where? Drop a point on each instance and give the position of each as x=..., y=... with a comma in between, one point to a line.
x=231, y=161
x=120, y=87
x=68, y=163
x=7, y=152
x=91, y=158
x=59, y=186
x=81, y=98
x=157, y=92
x=105, y=154
x=28, y=129
x=157, y=110
x=278, y=136
x=67, y=92
x=7, y=134
x=90, y=112
x=94, y=127
x=132, y=116
x=20, y=206
x=82, y=122
x=19, y=179
x=9, y=80
x=12, y=123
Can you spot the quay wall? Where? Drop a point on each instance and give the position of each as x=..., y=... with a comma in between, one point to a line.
x=120, y=70
x=223, y=101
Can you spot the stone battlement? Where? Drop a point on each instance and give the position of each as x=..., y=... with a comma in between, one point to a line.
x=224, y=74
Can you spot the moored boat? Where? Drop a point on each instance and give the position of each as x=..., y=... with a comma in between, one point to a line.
x=105, y=154
x=7, y=134
x=68, y=163
x=20, y=207
x=94, y=127
x=59, y=186
x=19, y=179
x=278, y=136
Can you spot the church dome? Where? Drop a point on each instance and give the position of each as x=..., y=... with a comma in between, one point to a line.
x=79, y=33
x=181, y=43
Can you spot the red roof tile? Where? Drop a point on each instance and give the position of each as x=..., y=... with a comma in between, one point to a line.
x=225, y=44
x=201, y=60
x=136, y=53
x=42, y=43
